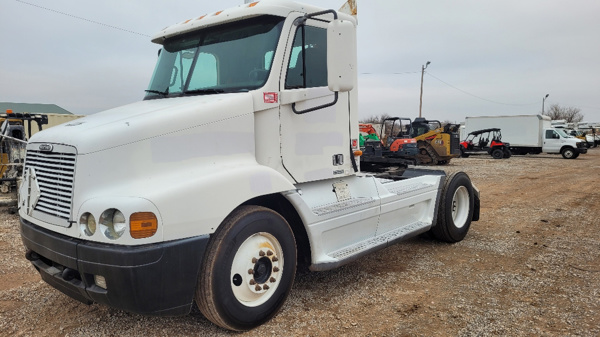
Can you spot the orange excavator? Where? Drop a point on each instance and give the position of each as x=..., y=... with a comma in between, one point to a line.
x=395, y=147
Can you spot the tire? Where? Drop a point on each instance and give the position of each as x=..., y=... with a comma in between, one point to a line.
x=507, y=154
x=575, y=155
x=497, y=153
x=463, y=154
x=248, y=269
x=455, y=210
x=568, y=153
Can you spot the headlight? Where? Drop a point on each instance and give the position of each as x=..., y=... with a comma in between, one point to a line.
x=112, y=223
x=87, y=224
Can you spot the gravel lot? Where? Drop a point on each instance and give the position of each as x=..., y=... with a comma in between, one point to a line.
x=529, y=267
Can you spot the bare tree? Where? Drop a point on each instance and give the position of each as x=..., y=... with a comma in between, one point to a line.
x=375, y=119
x=570, y=114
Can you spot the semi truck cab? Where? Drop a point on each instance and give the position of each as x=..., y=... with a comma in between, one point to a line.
x=240, y=163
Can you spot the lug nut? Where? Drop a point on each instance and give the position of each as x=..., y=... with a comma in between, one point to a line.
x=272, y=279
x=257, y=288
x=274, y=259
x=254, y=260
x=266, y=287
x=252, y=282
x=269, y=253
x=261, y=253
x=250, y=271
x=275, y=269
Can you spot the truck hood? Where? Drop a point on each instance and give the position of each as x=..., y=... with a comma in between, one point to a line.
x=144, y=120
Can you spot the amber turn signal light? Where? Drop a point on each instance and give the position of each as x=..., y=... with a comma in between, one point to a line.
x=142, y=225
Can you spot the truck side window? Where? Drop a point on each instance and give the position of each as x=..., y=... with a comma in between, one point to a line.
x=313, y=72
x=550, y=134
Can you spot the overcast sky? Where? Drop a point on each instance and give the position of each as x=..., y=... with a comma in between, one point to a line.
x=487, y=57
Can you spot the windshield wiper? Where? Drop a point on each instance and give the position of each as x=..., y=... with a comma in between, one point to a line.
x=164, y=93
x=205, y=91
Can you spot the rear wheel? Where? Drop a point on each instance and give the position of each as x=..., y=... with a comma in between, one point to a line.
x=249, y=268
x=507, y=153
x=456, y=208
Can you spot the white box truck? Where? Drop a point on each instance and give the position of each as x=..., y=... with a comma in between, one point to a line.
x=240, y=162
x=529, y=134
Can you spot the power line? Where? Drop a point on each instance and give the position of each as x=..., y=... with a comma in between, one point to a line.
x=481, y=98
x=83, y=19
x=400, y=73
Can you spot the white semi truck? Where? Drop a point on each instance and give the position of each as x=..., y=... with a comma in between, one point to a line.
x=529, y=134
x=240, y=162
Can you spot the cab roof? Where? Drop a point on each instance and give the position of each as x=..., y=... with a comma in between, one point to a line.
x=264, y=7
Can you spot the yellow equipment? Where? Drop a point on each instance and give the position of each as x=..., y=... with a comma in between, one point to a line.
x=12, y=145
x=437, y=144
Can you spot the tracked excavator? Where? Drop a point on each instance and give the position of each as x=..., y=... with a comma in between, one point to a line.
x=418, y=142
x=393, y=147
x=437, y=143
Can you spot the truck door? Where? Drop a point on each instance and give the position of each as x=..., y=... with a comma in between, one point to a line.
x=314, y=131
x=552, y=141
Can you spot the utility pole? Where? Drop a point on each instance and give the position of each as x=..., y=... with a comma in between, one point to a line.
x=543, y=101
x=421, y=98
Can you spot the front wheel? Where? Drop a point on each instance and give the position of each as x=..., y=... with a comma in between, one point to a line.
x=455, y=210
x=497, y=154
x=568, y=153
x=248, y=270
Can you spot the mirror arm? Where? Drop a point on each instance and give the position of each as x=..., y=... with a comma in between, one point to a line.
x=302, y=20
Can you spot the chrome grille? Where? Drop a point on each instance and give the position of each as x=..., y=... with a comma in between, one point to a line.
x=55, y=175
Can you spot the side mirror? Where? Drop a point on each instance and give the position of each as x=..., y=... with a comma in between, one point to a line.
x=341, y=55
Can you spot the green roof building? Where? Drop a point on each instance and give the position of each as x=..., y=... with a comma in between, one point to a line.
x=33, y=108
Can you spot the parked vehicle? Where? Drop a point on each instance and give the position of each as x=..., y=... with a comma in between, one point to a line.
x=485, y=141
x=14, y=128
x=241, y=161
x=531, y=134
x=588, y=139
x=437, y=143
x=393, y=147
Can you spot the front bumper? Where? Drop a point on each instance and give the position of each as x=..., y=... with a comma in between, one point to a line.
x=155, y=279
x=581, y=150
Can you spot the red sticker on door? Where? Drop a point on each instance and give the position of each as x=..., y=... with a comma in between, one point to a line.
x=270, y=97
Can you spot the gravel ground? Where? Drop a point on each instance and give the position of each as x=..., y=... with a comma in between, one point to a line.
x=529, y=267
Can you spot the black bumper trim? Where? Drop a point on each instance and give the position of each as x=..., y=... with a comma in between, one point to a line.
x=154, y=279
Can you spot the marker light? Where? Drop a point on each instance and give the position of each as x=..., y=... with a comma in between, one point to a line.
x=142, y=225
x=253, y=4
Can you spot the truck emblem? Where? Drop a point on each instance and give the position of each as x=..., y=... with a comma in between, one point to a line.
x=46, y=147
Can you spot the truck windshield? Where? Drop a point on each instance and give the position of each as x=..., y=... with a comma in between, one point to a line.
x=562, y=133
x=234, y=57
